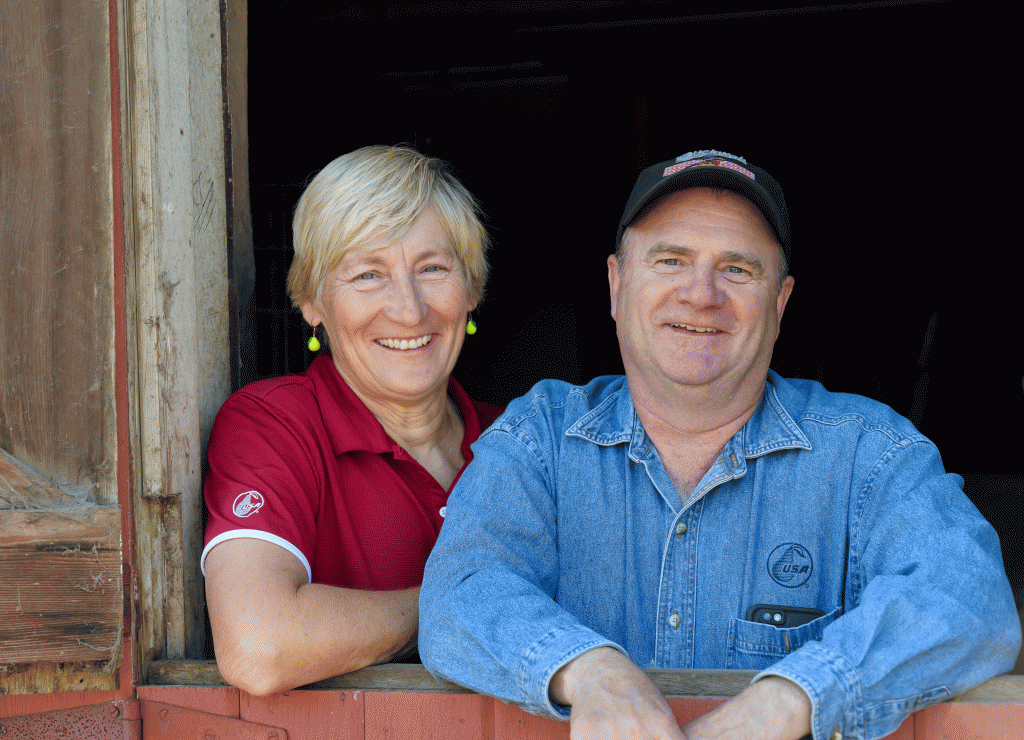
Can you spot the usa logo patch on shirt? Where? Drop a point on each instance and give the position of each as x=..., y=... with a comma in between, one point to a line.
x=247, y=503
x=790, y=565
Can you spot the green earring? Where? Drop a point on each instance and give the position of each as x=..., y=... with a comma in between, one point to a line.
x=471, y=326
x=313, y=344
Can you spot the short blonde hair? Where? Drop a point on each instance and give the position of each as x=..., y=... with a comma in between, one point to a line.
x=373, y=192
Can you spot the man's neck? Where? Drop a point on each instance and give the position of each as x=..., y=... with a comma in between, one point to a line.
x=690, y=426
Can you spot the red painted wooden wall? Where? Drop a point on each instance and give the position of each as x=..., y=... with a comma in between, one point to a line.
x=366, y=715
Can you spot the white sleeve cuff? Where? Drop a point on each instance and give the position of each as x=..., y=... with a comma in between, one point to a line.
x=256, y=534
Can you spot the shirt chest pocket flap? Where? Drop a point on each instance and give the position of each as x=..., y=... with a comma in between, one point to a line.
x=753, y=646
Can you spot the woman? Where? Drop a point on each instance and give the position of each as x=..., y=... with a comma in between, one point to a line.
x=327, y=489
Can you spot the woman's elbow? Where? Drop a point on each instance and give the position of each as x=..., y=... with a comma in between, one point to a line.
x=255, y=669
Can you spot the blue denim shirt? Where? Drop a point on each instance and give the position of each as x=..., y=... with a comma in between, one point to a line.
x=565, y=533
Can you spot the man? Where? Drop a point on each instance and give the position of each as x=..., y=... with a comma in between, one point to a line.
x=703, y=512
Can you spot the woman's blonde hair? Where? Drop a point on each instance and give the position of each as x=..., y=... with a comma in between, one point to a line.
x=374, y=192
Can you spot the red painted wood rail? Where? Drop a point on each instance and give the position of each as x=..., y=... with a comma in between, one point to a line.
x=403, y=702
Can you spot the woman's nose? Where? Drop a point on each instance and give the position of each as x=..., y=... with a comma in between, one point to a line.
x=405, y=301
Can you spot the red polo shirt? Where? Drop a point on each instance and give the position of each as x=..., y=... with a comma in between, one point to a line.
x=301, y=462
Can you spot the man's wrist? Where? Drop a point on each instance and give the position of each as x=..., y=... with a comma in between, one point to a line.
x=566, y=681
x=792, y=700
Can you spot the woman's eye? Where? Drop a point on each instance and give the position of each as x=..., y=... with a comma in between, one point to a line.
x=366, y=276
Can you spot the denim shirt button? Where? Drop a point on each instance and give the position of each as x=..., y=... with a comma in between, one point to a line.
x=680, y=529
x=675, y=620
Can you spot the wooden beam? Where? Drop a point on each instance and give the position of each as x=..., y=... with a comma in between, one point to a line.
x=1006, y=689
x=178, y=301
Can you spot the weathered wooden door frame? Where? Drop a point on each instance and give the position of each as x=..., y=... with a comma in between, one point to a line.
x=186, y=221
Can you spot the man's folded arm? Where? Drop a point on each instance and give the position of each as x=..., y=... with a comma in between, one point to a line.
x=488, y=618
x=929, y=610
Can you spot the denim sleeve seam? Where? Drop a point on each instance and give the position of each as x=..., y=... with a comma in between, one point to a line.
x=538, y=697
x=844, y=675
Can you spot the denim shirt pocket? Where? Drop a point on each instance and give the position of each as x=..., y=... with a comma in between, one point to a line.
x=753, y=646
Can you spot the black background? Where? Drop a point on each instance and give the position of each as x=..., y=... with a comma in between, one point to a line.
x=547, y=111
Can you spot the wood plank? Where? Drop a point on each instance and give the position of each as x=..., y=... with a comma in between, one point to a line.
x=59, y=604
x=170, y=722
x=60, y=585
x=390, y=713
x=178, y=302
x=428, y=716
x=513, y=723
x=954, y=721
x=21, y=704
x=414, y=677
x=49, y=679
x=183, y=673
x=241, y=261
x=713, y=683
x=220, y=700
x=906, y=731
x=84, y=526
x=1005, y=689
x=308, y=715
x=56, y=244
x=57, y=409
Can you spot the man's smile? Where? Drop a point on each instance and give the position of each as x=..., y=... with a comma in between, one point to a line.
x=697, y=329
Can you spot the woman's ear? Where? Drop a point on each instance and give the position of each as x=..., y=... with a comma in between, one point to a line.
x=311, y=314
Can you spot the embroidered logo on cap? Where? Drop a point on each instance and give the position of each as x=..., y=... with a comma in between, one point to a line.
x=790, y=565
x=248, y=503
x=707, y=162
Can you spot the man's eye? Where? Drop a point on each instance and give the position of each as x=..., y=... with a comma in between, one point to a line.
x=673, y=261
x=736, y=270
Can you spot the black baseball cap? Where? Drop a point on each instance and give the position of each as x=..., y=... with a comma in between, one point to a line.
x=710, y=168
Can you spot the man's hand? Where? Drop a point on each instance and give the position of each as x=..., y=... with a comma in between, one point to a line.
x=612, y=699
x=774, y=708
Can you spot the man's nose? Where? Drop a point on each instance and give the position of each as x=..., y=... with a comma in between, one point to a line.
x=699, y=287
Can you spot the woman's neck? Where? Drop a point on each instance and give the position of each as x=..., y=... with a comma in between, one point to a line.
x=430, y=430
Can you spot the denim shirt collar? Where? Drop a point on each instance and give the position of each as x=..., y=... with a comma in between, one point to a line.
x=770, y=428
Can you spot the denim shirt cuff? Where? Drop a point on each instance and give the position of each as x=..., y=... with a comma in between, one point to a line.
x=832, y=685
x=545, y=657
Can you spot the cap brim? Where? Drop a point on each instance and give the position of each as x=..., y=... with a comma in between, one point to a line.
x=712, y=177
